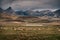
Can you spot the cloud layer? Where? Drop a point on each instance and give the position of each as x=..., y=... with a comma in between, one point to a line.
x=26, y=4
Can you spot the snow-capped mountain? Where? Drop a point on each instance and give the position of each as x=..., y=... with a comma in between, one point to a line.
x=57, y=13
x=39, y=13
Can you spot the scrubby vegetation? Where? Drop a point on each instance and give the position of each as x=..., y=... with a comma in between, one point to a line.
x=29, y=32
x=35, y=37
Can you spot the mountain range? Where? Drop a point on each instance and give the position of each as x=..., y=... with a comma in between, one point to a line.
x=44, y=13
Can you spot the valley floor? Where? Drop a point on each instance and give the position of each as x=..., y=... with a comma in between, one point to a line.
x=29, y=31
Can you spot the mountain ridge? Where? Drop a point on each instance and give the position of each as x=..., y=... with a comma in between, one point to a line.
x=43, y=13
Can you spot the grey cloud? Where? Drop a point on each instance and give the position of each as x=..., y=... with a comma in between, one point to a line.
x=24, y=4
x=6, y=3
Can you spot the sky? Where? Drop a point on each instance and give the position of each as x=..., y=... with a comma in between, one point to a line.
x=30, y=4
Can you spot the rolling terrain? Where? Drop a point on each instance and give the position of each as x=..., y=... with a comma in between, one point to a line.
x=29, y=25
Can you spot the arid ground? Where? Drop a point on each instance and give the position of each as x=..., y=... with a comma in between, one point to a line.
x=29, y=31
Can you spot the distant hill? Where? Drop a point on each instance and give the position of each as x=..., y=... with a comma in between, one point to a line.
x=9, y=13
x=9, y=10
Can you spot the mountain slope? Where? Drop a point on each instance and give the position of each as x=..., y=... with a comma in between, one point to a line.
x=57, y=13
x=1, y=10
x=9, y=10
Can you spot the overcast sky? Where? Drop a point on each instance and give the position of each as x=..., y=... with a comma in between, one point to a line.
x=27, y=4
